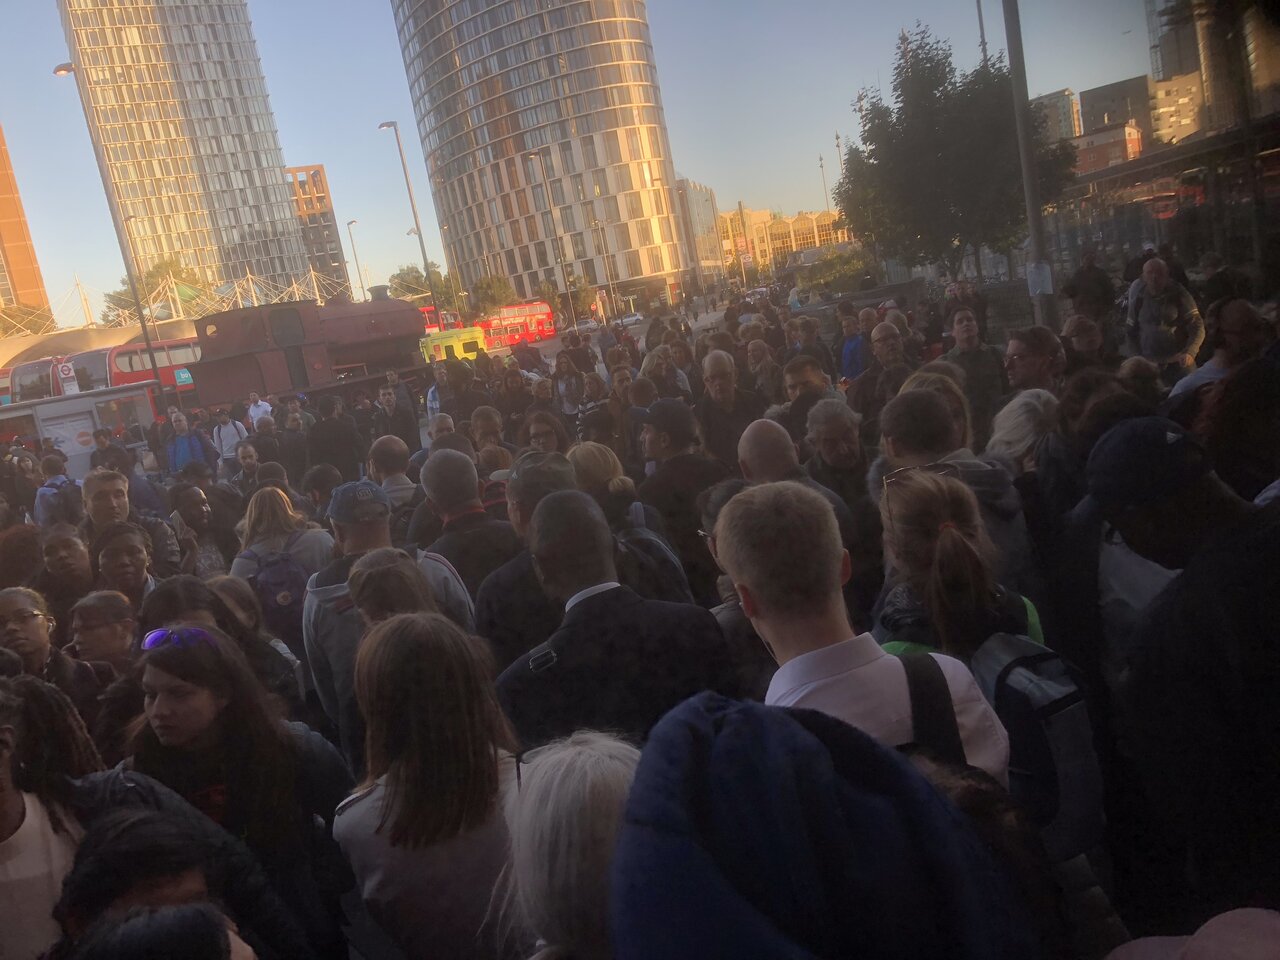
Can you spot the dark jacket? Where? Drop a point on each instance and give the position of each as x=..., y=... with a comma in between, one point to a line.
x=81, y=682
x=193, y=445
x=722, y=430
x=268, y=447
x=618, y=662
x=250, y=899
x=849, y=485
x=336, y=442
x=402, y=423
x=165, y=555
x=293, y=454
x=754, y=832
x=818, y=351
x=476, y=545
x=985, y=382
x=752, y=660
x=673, y=491
x=512, y=612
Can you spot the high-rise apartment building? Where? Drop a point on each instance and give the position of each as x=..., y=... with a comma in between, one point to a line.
x=546, y=141
x=182, y=127
x=700, y=223
x=1061, y=114
x=320, y=234
x=20, y=280
x=1118, y=102
x=1176, y=108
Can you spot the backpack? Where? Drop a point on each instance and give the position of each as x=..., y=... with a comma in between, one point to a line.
x=1053, y=767
x=402, y=519
x=281, y=586
x=647, y=564
x=70, y=501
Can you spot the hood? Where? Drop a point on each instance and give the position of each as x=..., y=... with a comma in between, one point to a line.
x=329, y=585
x=759, y=832
x=988, y=477
x=902, y=610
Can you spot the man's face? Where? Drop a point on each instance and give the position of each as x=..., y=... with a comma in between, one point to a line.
x=97, y=638
x=808, y=382
x=101, y=442
x=172, y=412
x=1088, y=342
x=224, y=418
x=387, y=398
x=849, y=326
x=1025, y=369
x=253, y=398
x=194, y=509
x=542, y=437
x=1156, y=275
x=886, y=345
x=867, y=320
x=392, y=377
x=295, y=406
x=839, y=445
x=67, y=559
x=248, y=457
x=109, y=502
x=964, y=327
x=1242, y=335
x=621, y=382
x=719, y=383
x=123, y=563
x=442, y=426
x=652, y=442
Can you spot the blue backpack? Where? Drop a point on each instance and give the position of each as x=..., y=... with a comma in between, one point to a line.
x=281, y=586
x=647, y=564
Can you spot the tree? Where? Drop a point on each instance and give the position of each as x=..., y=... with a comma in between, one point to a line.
x=840, y=271
x=584, y=295
x=19, y=320
x=407, y=283
x=490, y=293
x=937, y=172
x=157, y=287
x=549, y=292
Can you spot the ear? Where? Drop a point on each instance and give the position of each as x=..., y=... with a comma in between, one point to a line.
x=891, y=450
x=746, y=472
x=846, y=567
x=750, y=605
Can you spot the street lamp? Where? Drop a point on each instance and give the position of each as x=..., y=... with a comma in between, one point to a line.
x=364, y=294
x=568, y=291
x=413, y=205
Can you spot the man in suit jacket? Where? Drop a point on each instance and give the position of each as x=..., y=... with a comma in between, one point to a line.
x=618, y=661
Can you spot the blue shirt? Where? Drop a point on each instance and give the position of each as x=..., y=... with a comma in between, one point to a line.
x=185, y=449
x=851, y=365
x=47, y=509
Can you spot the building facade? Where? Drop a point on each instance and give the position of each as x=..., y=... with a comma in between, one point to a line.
x=321, y=236
x=1107, y=147
x=1177, y=105
x=1061, y=114
x=20, y=280
x=546, y=142
x=770, y=238
x=1118, y=102
x=700, y=226
x=181, y=124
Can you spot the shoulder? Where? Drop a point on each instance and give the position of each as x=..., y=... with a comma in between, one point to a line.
x=361, y=803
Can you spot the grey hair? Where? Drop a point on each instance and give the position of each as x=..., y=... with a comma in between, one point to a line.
x=564, y=822
x=719, y=356
x=437, y=419
x=831, y=412
x=1019, y=427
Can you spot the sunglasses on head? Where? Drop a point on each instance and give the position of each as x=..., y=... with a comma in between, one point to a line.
x=939, y=467
x=176, y=637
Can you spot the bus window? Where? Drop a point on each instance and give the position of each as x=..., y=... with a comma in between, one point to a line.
x=32, y=381
x=91, y=370
x=4, y=387
x=184, y=354
x=120, y=416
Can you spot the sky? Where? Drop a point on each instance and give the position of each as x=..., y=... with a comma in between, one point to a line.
x=754, y=91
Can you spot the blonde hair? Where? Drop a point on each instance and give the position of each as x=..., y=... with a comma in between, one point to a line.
x=934, y=531
x=1024, y=421
x=270, y=514
x=599, y=470
x=564, y=822
x=951, y=392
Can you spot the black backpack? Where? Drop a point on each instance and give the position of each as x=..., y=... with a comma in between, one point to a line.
x=281, y=586
x=647, y=564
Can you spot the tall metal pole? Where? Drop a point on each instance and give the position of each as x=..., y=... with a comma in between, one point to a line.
x=413, y=206
x=364, y=294
x=826, y=194
x=982, y=33
x=746, y=244
x=1039, y=271
x=608, y=274
x=130, y=272
x=568, y=291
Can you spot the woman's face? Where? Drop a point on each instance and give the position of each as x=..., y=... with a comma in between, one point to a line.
x=563, y=366
x=24, y=629
x=98, y=638
x=67, y=559
x=595, y=389
x=180, y=713
x=123, y=563
x=542, y=437
x=513, y=382
x=542, y=390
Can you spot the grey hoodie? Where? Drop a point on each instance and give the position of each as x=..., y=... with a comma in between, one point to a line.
x=1001, y=506
x=331, y=631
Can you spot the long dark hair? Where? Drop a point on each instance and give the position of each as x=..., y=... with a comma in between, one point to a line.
x=258, y=757
x=196, y=931
x=434, y=729
x=546, y=419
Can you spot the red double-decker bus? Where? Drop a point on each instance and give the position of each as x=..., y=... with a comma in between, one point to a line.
x=511, y=325
x=434, y=321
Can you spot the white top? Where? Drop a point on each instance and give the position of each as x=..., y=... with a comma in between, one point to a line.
x=33, y=863
x=589, y=592
x=257, y=411
x=226, y=436
x=1211, y=372
x=857, y=682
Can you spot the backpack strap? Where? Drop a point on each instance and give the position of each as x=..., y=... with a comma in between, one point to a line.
x=635, y=515
x=933, y=715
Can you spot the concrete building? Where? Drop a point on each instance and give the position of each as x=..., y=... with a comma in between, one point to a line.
x=1177, y=105
x=178, y=112
x=1107, y=147
x=1118, y=102
x=770, y=238
x=1061, y=114
x=20, y=280
x=700, y=226
x=320, y=232
x=546, y=141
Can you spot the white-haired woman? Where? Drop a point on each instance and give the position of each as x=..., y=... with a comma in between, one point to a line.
x=1020, y=426
x=564, y=821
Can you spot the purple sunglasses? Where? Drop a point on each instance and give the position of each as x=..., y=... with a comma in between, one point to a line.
x=180, y=637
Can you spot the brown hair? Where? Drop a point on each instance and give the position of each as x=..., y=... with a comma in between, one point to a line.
x=935, y=533
x=950, y=391
x=270, y=514
x=386, y=582
x=599, y=470
x=434, y=730
x=547, y=420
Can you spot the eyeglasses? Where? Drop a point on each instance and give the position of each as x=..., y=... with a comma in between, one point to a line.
x=182, y=637
x=21, y=618
x=940, y=468
x=708, y=537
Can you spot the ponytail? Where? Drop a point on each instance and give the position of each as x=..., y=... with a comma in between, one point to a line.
x=623, y=485
x=957, y=588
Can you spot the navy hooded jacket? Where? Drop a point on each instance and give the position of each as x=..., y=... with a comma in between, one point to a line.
x=761, y=832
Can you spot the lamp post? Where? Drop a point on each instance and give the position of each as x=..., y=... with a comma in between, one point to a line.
x=568, y=291
x=413, y=205
x=131, y=273
x=364, y=294
x=608, y=274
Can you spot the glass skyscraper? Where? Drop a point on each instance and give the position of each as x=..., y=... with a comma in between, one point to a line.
x=182, y=127
x=573, y=83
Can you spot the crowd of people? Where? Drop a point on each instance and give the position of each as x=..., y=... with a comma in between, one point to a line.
x=911, y=641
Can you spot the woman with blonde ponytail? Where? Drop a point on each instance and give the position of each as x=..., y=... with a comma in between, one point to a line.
x=947, y=598
x=600, y=474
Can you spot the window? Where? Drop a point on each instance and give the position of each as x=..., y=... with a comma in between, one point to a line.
x=612, y=149
x=635, y=209
x=655, y=260
x=622, y=237
x=632, y=260
x=644, y=233
x=566, y=157
x=611, y=209
x=578, y=187
x=634, y=150
x=579, y=247
x=539, y=197
x=557, y=192
x=568, y=219
x=599, y=183
x=589, y=153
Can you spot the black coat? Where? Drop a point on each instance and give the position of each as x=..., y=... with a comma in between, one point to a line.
x=402, y=423
x=477, y=545
x=512, y=612
x=673, y=491
x=618, y=662
x=721, y=431
x=336, y=441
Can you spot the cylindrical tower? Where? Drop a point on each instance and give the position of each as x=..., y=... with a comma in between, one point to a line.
x=546, y=142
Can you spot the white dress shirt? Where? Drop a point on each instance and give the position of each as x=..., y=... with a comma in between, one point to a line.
x=589, y=592
x=857, y=682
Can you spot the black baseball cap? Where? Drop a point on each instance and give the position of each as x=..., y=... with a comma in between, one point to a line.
x=1142, y=461
x=674, y=418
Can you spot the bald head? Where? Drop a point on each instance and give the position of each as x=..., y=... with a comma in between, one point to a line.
x=451, y=481
x=387, y=457
x=766, y=453
x=886, y=343
x=571, y=544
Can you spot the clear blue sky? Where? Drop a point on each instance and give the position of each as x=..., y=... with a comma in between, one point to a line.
x=754, y=92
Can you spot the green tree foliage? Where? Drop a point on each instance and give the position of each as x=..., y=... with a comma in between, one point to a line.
x=490, y=293
x=550, y=293
x=408, y=283
x=840, y=271
x=584, y=295
x=937, y=172
x=156, y=287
